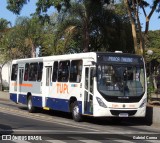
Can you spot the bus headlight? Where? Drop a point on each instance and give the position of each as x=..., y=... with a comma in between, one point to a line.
x=100, y=102
x=143, y=103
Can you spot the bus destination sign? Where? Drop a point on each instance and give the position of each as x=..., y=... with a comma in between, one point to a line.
x=119, y=59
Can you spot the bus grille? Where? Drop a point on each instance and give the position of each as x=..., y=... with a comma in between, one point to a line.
x=117, y=112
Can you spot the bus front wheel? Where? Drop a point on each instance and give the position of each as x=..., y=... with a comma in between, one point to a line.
x=31, y=109
x=75, y=112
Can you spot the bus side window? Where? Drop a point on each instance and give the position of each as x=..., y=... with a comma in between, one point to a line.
x=55, y=70
x=14, y=72
x=76, y=71
x=33, y=71
x=63, y=71
x=91, y=81
x=79, y=75
x=40, y=71
x=86, y=78
x=26, y=72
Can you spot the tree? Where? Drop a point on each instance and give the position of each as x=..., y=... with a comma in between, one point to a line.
x=4, y=24
x=22, y=40
x=42, y=5
x=4, y=27
x=110, y=29
x=47, y=47
x=41, y=11
x=84, y=23
x=75, y=20
x=153, y=61
x=153, y=39
x=98, y=29
x=133, y=7
x=31, y=30
x=153, y=43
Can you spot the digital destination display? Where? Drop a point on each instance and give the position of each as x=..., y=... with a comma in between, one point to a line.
x=119, y=59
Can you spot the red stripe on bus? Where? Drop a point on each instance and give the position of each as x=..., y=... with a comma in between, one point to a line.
x=22, y=84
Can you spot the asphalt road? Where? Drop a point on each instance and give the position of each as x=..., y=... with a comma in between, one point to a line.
x=59, y=127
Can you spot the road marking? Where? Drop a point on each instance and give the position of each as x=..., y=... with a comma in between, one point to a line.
x=124, y=141
x=55, y=141
x=85, y=140
x=20, y=141
x=57, y=132
x=93, y=141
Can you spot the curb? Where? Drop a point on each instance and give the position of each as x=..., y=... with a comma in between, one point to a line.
x=152, y=115
x=4, y=95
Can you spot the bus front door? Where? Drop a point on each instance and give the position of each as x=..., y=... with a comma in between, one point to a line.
x=46, y=84
x=88, y=92
x=20, y=80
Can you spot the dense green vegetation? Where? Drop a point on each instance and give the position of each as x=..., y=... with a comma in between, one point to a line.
x=78, y=26
x=129, y=9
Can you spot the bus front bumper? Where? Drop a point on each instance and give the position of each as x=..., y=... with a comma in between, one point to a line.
x=119, y=112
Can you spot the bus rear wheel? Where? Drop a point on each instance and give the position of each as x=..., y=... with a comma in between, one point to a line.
x=30, y=107
x=75, y=112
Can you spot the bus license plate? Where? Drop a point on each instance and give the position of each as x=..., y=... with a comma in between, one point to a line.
x=123, y=115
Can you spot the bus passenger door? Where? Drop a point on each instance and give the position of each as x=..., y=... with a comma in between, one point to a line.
x=46, y=84
x=88, y=92
x=19, y=80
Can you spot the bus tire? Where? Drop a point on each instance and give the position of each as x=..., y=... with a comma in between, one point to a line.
x=30, y=107
x=75, y=112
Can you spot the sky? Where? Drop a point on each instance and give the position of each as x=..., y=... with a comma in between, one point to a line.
x=31, y=6
x=27, y=9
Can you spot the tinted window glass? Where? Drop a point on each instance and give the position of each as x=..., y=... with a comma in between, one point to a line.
x=33, y=72
x=76, y=71
x=55, y=70
x=26, y=72
x=63, y=71
x=14, y=72
x=40, y=71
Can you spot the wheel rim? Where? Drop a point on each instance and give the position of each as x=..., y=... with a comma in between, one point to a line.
x=76, y=111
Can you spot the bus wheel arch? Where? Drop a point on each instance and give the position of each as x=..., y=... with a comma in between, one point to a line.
x=71, y=101
x=28, y=94
x=74, y=108
x=30, y=106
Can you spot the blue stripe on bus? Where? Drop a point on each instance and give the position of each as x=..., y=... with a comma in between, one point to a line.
x=22, y=99
x=88, y=110
x=61, y=104
x=13, y=97
x=58, y=104
x=37, y=101
x=80, y=106
x=52, y=103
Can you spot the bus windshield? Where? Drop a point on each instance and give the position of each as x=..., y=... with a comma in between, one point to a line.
x=120, y=80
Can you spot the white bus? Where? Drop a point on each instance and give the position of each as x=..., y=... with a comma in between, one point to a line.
x=94, y=84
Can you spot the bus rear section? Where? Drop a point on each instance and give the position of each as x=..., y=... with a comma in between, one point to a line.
x=26, y=81
x=49, y=83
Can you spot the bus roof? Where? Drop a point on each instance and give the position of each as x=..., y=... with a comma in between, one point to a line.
x=75, y=56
